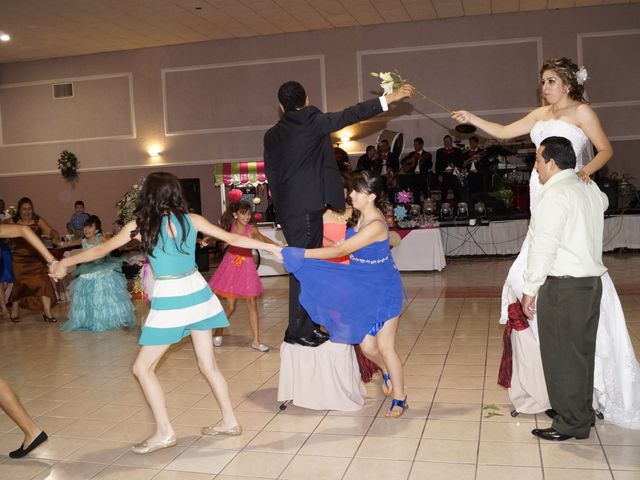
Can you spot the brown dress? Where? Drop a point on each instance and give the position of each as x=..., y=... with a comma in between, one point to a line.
x=31, y=275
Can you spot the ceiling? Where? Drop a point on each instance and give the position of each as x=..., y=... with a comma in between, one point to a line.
x=59, y=28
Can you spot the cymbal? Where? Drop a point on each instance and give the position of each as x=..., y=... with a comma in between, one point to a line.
x=465, y=128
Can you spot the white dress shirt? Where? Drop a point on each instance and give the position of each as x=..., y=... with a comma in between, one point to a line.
x=565, y=232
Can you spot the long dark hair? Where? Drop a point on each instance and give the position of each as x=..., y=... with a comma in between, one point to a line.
x=366, y=182
x=21, y=202
x=227, y=218
x=161, y=195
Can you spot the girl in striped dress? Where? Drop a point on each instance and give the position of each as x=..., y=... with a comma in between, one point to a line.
x=181, y=302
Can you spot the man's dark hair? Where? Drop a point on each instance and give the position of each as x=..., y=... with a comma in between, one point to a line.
x=561, y=150
x=292, y=96
x=418, y=140
x=447, y=136
x=474, y=138
x=370, y=147
x=79, y=203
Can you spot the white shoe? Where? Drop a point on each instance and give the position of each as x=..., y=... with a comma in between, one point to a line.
x=217, y=341
x=261, y=347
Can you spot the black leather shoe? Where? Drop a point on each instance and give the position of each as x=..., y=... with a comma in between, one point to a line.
x=320, y=335
x=551, y=413
x=22, y=451
x=553, y=435
x=305, y=342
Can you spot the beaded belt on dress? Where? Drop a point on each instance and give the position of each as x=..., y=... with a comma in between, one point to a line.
x=179, y=275
x=370, y=262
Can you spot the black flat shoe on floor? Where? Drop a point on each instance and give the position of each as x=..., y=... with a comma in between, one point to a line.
x=22, y=451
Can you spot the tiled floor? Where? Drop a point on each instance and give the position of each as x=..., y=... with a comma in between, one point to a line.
x=80, y=389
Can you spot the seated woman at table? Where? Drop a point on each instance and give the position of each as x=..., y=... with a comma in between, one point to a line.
x=32, y=286
x=100, y=300
x=357, y=303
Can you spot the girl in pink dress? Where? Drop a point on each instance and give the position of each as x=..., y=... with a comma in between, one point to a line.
x=236, y=276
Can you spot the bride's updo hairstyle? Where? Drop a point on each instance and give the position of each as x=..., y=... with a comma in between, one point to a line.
x=566, y=70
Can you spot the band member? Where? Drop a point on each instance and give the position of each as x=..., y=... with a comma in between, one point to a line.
x=449, y=164
x=477, y=167
x=415, y=170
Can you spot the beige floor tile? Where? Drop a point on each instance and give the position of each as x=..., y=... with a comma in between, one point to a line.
x=454, y=395
x=442, y=471
x=294, y=423
x=500, y=453
x=623, y=457
x=573, y=456
x=169, y=475
x=254, y=464
x=461, y=382
x=331, y=445
x=625, y=475
x=492, y=472
x=202, y=460
x=58, y=448
x=24, y=468
x=612, y=435
x=306, y=467
x=392, y=448
x=397, y=427
x=362, y=468
x=344, y=425
x=156, y=460
x=70, y=471
x=282, y=442
x=452, y=430
x=125, y=473
x=451, y=451
x=575, y=474
x=86, y=428
x=100, y=451
x=465, y=412
x=129, y=432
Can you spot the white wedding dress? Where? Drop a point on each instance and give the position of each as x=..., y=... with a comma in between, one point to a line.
x=616, y=371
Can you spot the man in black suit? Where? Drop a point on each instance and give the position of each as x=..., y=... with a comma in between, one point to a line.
x=368, y=161
x=449, y=160
x=477, y=165
x=416, y=166
x=304, y=178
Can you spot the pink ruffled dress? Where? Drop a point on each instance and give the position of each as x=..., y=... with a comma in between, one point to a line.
x=237, y=276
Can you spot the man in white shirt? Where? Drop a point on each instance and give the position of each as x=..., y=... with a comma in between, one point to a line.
x=563, y=271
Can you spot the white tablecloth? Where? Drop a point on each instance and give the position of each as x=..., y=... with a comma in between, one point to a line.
x=497, y=238
x=621, y=231
x=420, y=250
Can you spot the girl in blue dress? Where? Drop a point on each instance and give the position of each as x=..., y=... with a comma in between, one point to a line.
x=100, y=300
x=357, y=303
x=181, y=301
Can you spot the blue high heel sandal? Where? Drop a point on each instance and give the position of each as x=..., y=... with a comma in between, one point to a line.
x=397, y=403
x=388, y=390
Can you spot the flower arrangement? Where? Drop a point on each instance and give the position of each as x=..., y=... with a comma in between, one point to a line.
x=127, y=204
x=68, y=165
x=404, y=196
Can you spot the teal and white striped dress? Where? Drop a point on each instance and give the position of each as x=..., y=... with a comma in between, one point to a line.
x=181, y=299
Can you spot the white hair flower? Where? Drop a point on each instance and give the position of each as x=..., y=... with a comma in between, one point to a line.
x=582, y=75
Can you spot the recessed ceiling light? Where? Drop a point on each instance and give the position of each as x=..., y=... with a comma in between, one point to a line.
x=5, y=37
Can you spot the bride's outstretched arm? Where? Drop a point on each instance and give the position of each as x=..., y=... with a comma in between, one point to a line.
x=590, y=125
x=515, y=129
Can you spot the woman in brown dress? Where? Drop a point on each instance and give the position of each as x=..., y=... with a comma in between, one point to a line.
x=32, y=286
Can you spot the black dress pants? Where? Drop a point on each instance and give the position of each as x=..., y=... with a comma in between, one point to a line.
x=304, y=231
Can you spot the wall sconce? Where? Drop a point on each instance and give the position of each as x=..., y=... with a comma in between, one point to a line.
x=154, y=151
x=344, y=139
x=5, y=37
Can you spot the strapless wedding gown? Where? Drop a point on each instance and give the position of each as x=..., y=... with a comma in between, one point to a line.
x=616, y=371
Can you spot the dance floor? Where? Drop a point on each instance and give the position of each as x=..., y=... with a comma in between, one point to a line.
x=80, y=389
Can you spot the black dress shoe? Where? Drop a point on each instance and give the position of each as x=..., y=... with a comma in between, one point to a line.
x=22, y=451
x=305, y=342
x=553, y=435
x=551, y=413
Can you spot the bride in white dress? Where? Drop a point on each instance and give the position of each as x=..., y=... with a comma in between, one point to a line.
x=566, y=114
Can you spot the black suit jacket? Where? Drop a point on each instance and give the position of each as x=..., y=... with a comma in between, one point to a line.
x=299, y=161
x=425, y=161
x=444, y=159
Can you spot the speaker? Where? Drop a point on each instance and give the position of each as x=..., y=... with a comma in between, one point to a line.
x=191, y=190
